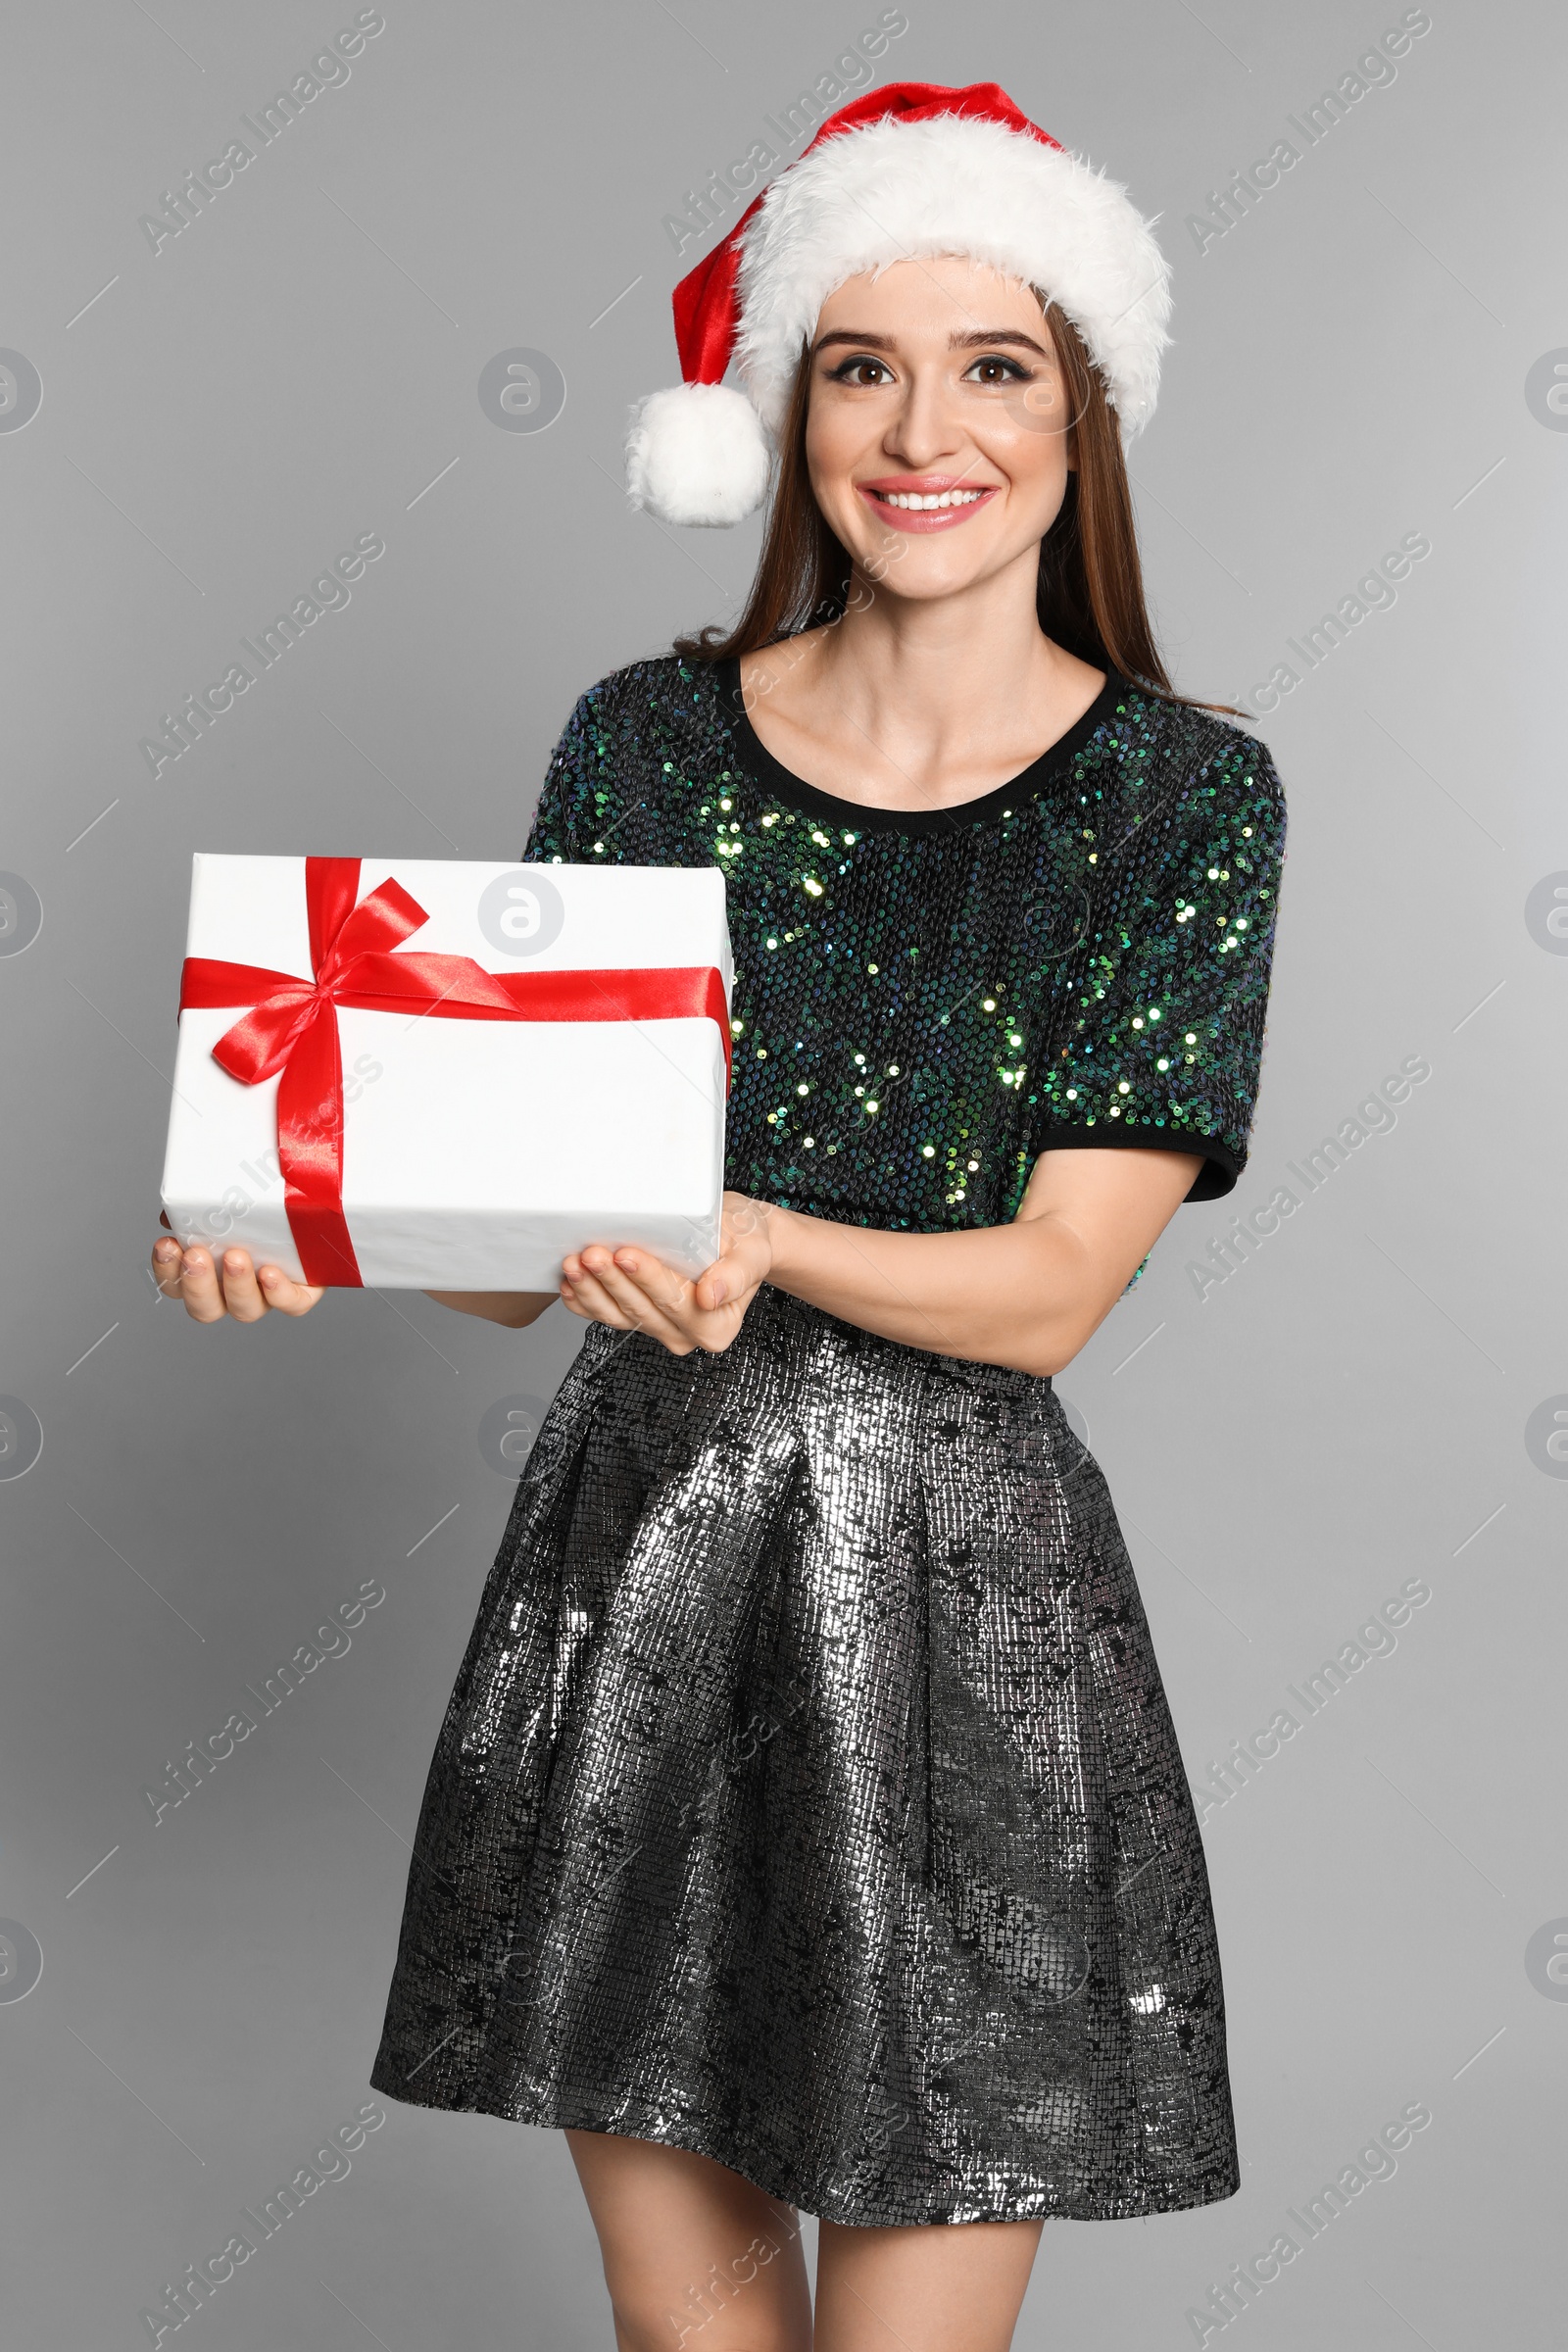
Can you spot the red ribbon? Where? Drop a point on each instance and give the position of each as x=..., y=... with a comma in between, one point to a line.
x=290, y=1031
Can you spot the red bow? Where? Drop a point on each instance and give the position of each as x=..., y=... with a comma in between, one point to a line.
x=290, y=1028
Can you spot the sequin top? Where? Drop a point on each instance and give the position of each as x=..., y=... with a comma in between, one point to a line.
x=924, y=1001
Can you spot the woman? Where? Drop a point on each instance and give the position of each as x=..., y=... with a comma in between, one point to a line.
x=808, y=1830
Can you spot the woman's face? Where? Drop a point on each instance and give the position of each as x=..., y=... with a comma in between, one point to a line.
x=937, y=380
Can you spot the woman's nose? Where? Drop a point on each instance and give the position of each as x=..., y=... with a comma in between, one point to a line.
x=925, y=429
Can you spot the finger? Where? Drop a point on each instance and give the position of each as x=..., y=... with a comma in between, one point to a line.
x=289, y=1298
x=586, y=1298
x=596, y=1276
x=241, y=1292
x=585, y=1313
x=666, y=1290
x=658, y=1299
x=199, y=1286
x=633, y=1313
x=745, y=1255
x=166, y=1267
x=727, y=1278
x=627, y=1308
x=571, y=1275
x=593, y=1274
x=249, y=1291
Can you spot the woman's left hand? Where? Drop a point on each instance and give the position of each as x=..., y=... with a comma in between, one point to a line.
x=632, y=1289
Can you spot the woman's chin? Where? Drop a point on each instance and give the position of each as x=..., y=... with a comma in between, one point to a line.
x=920, y=570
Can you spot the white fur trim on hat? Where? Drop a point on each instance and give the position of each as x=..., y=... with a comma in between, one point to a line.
x=953, y=185
x=697, y=454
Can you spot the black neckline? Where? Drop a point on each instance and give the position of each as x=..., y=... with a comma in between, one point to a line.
x=794, y=792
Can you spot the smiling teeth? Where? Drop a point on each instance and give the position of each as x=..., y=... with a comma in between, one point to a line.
x=925, y=502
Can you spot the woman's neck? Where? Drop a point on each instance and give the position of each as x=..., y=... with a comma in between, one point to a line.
x=919, y=705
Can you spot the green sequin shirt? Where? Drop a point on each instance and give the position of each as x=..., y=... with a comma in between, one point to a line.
x=924, y=1001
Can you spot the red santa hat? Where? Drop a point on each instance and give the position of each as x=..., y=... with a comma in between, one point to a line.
x=911, y=171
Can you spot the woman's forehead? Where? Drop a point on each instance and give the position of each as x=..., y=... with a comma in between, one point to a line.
x=941, y=295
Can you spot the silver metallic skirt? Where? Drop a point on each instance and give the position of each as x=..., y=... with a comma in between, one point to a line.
x=808, y=1798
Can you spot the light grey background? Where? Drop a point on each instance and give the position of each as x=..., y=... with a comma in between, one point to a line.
x=300, y=366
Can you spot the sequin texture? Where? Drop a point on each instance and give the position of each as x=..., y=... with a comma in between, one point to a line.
x=808, y=1795
x=924, y=1003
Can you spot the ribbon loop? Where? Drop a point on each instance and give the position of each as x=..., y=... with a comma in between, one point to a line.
x=380, y=922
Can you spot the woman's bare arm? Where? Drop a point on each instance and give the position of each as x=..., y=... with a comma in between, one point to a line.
x=515, y=1308
x=1026, y=1294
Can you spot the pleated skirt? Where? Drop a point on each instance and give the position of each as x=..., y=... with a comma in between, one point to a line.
x=808, y=1798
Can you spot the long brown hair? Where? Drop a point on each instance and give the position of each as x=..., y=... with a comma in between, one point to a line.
x=1089, y=597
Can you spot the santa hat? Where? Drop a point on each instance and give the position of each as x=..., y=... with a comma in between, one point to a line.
x=905, y=172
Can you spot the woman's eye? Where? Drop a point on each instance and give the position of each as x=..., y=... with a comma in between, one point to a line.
x=995, y=370
x=863, y=371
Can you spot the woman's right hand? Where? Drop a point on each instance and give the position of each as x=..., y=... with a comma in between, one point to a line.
x=212, y=1288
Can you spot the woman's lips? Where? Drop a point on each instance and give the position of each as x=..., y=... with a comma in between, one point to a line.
x=930, y=504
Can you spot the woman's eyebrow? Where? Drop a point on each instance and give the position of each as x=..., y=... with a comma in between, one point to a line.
x=983, y=339
x=986, y=337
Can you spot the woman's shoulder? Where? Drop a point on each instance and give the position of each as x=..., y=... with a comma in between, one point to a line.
x=1180, y=751
x=668, y=692
x=634, y=758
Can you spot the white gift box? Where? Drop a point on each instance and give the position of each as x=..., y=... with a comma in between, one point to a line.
x=475, y=1152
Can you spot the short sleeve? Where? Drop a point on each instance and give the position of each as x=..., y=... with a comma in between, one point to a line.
x=1160, y=1037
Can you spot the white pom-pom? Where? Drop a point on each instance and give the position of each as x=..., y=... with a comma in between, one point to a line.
x=697, y=454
